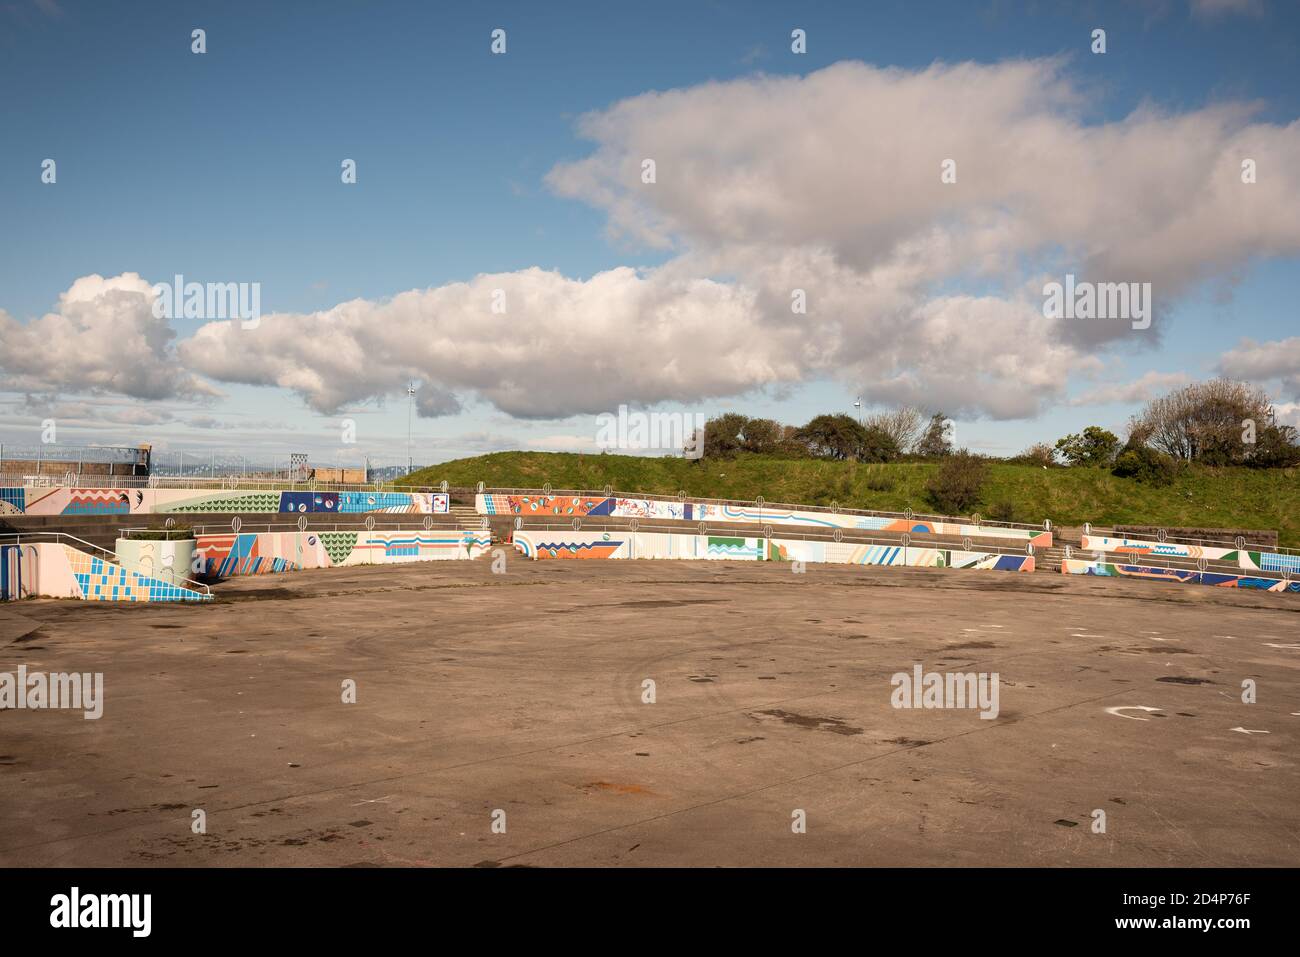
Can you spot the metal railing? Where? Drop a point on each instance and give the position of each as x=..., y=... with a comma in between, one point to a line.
x=1132, y=556
x=763, y=504
x=232, y=484
x=841, y=536
x=248, y=528
x=104, y=554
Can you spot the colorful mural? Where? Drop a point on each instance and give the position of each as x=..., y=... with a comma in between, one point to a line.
x=1074, y=566
x=18, y=565
x=55, y=570
x=1259, y=561
x=913, y=556
x=95, y=501
x=666, y=545
x=263, y=553
x=562, y=506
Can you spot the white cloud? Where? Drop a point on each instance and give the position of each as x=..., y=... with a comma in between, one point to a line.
x=1142, y=389
x=562, y=346
x=1264, y=362
x=828, y=183
x=102, y=338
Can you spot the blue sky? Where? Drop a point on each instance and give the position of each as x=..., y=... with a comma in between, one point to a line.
x=225, y=166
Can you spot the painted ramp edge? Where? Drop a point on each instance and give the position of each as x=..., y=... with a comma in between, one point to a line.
x=1244, y=558
x=570, y=546
x=55, y=570
x=1178, y=576
x=268, y=553
x=566, y=506
x=61, y=500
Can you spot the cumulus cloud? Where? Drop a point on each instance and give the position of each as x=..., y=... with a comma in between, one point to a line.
x=917, y=291
x=847, y=160
x=1277, y=361
x=1142, y=389
x=561, y=346
x=102, y=338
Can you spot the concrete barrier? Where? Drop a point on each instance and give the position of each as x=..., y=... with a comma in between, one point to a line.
x=261, y=553
x=612, y=544
x=1179, y=576
x=544, y=506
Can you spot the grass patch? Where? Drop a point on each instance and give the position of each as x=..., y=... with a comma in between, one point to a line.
x=1198, y=496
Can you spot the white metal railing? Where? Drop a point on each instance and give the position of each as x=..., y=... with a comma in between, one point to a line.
x=229, y=483
x=762, y=504
x=89, y=547
x=843, y=536
x=1188, y=562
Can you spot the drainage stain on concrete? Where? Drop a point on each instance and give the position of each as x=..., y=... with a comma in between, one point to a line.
x=830, y=723
x=606, y=787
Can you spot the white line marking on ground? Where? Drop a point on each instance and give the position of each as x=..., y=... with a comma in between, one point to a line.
x=1131, y=707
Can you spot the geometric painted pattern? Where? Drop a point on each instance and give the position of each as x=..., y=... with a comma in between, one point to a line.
x=578, y=506
x=102, y=580
x=12, y=500
x=1181, y=576
x=690, y=547
x=338, y=545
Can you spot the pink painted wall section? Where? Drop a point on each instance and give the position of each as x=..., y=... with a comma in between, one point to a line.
x=55, y=570
x=613, y=544
x=267, y=553
x=569, y=507
x=33, y=500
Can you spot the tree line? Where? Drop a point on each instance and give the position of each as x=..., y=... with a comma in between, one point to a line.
x=1216, y=423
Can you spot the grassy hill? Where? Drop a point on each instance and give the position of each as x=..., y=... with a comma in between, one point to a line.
x=1204, y=497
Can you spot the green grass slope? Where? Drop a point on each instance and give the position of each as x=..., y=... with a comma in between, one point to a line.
x=1201, y=497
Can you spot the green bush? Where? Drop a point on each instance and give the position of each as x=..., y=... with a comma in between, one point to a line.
x=1096, y=446
x=1002, y=512
x=178, y=534
x=881, y=482
x=955, y=488
x=1146, y=465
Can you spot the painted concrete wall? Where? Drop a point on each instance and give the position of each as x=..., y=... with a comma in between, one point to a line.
x=1260, y=561
x=263, y=553
x=33, y=500
x=664, y=545
x=568, y=507
x=55, y=570
x=1183, y=576
x=168, y=560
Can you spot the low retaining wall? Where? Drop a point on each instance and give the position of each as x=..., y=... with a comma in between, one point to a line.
x=1260, y=536
x=262, y=553
x=56, y=570
x=1183, y=576
x=664, y=545
x=1243, y=558
x=169, y=560
x=36, y=500
x=565, y=506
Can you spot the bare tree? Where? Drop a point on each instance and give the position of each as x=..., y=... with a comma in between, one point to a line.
x=902, y=425
x=1204, y=421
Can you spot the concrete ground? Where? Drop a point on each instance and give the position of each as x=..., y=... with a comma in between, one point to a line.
x=523, y=693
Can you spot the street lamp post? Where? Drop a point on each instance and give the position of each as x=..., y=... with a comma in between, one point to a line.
x=410, y=407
